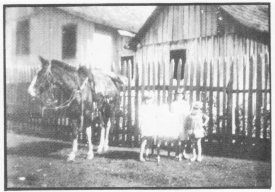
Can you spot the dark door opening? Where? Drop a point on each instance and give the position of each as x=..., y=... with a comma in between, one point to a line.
x=125, y=60
x=177, y=55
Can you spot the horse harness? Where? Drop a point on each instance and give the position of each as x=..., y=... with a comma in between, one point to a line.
x=71, y=98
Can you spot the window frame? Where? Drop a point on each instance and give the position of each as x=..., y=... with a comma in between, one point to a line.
x=69, y=50
x=23, y=37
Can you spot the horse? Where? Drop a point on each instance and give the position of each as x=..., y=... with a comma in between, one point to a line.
x=86, y=92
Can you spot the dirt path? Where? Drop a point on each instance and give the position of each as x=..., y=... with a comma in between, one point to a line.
x=40, y=163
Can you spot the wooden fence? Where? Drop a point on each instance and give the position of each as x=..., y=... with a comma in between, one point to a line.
x=235, y=92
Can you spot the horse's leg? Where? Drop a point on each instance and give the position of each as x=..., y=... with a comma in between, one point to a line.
x=102, y=134
x=142, y=147
x=106, y=139
x=75, y=141
x=90, y=154
x=101, y=142
x=184, y=146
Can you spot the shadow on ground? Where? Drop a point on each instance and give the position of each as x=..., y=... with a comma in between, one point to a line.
x=123, y=155
x=39, y=149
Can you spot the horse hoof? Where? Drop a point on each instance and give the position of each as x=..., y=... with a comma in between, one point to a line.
x=158, y=159
x=90, y=156
x=142, y=159
x=99, y=151
x=71, y=158
x=199, y=159
x=106, y=148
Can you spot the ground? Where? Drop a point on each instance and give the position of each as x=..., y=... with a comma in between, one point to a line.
x=34, y=162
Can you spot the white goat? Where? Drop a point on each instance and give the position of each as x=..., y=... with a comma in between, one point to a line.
x=158, y=122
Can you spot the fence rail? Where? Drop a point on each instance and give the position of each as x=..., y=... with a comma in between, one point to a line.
x=235, y=92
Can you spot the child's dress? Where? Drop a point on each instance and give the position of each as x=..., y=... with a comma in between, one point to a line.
x=194, y=125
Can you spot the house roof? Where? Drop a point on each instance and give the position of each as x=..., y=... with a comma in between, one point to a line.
x=129, y=18
x=252, y=16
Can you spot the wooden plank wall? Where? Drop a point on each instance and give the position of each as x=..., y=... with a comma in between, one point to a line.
x=177, y=23
x=46, y=39
x=230, y=45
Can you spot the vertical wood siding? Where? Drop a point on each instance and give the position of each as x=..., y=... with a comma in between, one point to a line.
x=230, y=45
x=182, y=22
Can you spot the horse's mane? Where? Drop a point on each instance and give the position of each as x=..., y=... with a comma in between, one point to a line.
x=64, y=66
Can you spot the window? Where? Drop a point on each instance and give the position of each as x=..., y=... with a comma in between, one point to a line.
x=69, y=42
x=127, y=59
x=23, y=38
x=177, y=55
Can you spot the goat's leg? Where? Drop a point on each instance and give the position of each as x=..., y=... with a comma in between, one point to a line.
x=184, y=146
x=179, y=151
x=158, y=150
x=90, y=154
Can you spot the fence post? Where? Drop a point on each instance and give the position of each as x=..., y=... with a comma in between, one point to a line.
x=170, y=88
x=258, y=97
x=267, y=73
x=198, y=79
x=250, y=98
x=123, y=131
x=164, y=82
x=210, y=105
x=159, y=72
x=218, y=96
x=136, y=132
x=224, y=63
x=229, y=103
x=129, y=115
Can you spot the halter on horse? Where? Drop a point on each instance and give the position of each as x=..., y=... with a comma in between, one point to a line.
x=82, y=88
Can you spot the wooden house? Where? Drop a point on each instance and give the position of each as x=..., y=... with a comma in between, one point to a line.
x=87, y=35
x=220, y=53
x=198, y=32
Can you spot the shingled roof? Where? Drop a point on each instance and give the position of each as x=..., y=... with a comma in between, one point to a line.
x=252, y=16
x=129, y=18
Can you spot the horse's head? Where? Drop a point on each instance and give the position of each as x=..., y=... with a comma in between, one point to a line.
x=43, y=84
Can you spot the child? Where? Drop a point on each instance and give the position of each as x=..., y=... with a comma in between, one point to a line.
x=181, y=108
x=147, y=123
x=194, y=124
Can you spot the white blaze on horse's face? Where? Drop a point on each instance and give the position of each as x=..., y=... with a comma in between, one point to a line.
x=31, y=89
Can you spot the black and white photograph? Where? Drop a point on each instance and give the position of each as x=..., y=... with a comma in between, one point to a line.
x=137, y=96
